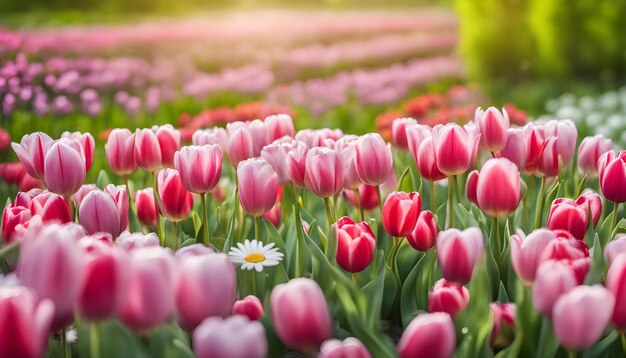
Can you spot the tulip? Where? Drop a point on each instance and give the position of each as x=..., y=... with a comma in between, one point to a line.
x=98, y=213
x=216, y=135
x=250, y=307
x=12, y=173
x=147, y=150
x=106, y=280
x=400, y=213
x=428, y=335
x=373, y=160
x=120, y=195
x=51, y=208
x=86, y=144
x=276, y=155
x=200, y=168
x=259, y=134
x=426, y=162
x=176, y=201
x=535, y=144
x=134, y=241
x=356, y=244
x=32, y=152
x=347, y=152
x=515, y=148
x=324, y=172
x=612, y=174
x=82, y=192
x=367, y=195
x=52, y=264
x=300, y=314
x=191, y=251
x=455, y=148
x=566, y=247
x=12, y=217
x=615, y=248
x=567, y=214
x=207, y=287
x=415, y=135
x=169, y=143
x=594, y=201
x=527, y=252
x=146, y=207
x=553, y=279
x=566, y=131
x=590, y=150
x=240, y=145
x=548, y=162
x=399, y=133
x=615, y=282
x=296, y=163
x=449, y=297
x=234, y=337
x=273, y=216
x=493, y=126
x=25, y=323
x=27, y=183
x=496, y=190
x=349, y=348
x=150, y=300
x=458, y=253
x=120, y=151
x=23, y=199
x=580, y=316
x=503, y=324
x=64, y=169
x=258, y=186
x=278, y=126
x=424, y=235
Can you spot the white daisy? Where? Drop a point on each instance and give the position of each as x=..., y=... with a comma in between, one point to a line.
x=253, y=255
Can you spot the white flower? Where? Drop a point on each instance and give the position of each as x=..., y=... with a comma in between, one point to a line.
x=253, y=255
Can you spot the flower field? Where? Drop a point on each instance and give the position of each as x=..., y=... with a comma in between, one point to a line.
x=335, y=186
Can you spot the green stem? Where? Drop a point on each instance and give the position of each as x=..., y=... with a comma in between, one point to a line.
x=495, y=227
x=450, y=204
x=380, y=200
x=175, y=243
x=67, y=353
x=257, y=231
x=455, y=179
x=394, y=251
x=157, y=198
x=432, y=197
x=130, y=201
x=253, y=282
x=205, y=217
x=329, y=216
x=94, y=336
x=615, y=214
x=357, y=195
x=300, y=242
x=354, y=282
x=431, y=264
x=542, y=190
x=572, y=354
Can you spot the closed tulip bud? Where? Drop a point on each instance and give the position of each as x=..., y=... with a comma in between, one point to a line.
x=455, y=148
x=311, y=326
x=566, y=247
x=120, y=151
x=553, y=279
x=347, y=151
x=527, y=252
x=12, y=218
x=424, y=235
x=415, y=135
x=367, y=195
x=449, y=297
x=120, y=195
x=400, y=213
x=567, y=214
x=426, y=162
x=137, y=240
x=23, y=199
x=51, y=207
x=459, y=252
x=535, y=145
x=548, y=162
x=233, y=337
x=176, y=201
x=259, y=134
x=64, y=169
x=240, y=144
x=612, y=174
x=98, y=213
x=324, y=173
x=32, y=152
x=493, y=126
x=356, y=244
x=53, y=265
x=250, y=307
x=349, y=348
x=580, y=316
x=502, y=333
x=615, y=248
x=216, y=135
x=296, y=163
x=25, y=323
x=496, y=190
x=258, y=186
x=590, y=150
x=147, y=150
x=616, y=283
x=152, y=281
x=566, y=131
x=200, y=168
x=86, y=144
x=373, y=159
x=207, y=287
x=594, y=202
x=106, y=280
x=12, y=173
x=276, y=155
x=515, y=149
x=278, y=126
x=398, y=132
x=146, y=207
x=428, y=335
x=169, y=143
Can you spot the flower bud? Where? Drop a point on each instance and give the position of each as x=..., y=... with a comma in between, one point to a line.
x=400, y=213
x=428, y=335
x=249, y=306
x=449, y=297
x=356, y=244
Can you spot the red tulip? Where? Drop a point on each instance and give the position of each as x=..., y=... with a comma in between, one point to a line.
x=616, y=283
x=356, y=244
x=146, y=207
x=51, y=207
x=503, y=316
x=120, y=151
x=590, y=150
x=176, y=201
x=32, y=152
x=367, y=195
x=86, y=143
x=12, y=217
x=424, y=235
x=553, y=279
x=273, y=215
x=493, y=126
x=27, y=183
x=496, y=190
x=349, y=348
x=515, y=149
x=455, y=148
x=398, y=132
x=400, y=213
x=458, y=253
x=612, y=174
x=249, y=306
x=449, y=297
x=428, y=335
x=200, y=168
x=567, y=214
x=527, y=252
x=258, y=186
x=64, y=169
x=566, y=131
x=233, y=337
x=169, y=143
x=296, y=163
x=373, y=160
x=12, y=173
x=324, y=174
x=278, y=126
x=147, y=150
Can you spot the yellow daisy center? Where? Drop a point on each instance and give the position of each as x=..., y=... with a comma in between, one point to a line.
x=255, y=258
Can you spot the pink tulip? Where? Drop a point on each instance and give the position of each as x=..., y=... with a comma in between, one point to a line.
x=535, y=144
x=567, y=214
x=373, y=159
x=27, y=183
x=278, y=126
x=428, y=335
x=273, y=216
x=590, y=150
x=493, y=126
x=400, y=213
x=86, y=144
x=137, y=240
x=515, y=149
x=566, y=131
x=191, y=251
x=106, y=280
x=120, y=195
x=169, y=143
x=527, y=252
x=215, y=135
x=233, y=337
x=258, y=186
x=52, y=264
x=426, y=162
x=176, y=201
x=146, y=207
x=548, y=162
x=82, y=192
x=249, y=306
x=399, y=134
x=580, y=316
x=147, y=150
x=594, y=201
x=612, y=174
x=12, y=218
x=455, y=148
x=300, y=314
x=296, y=163
x=503, y=316
x=98, y=213
x=200, y=168
x=324, y=174
x=367, y=195
x=424, y=235
x=347, y=151
x=240, y=144
x=349, y=348
x=64, y=169
x=356, y=244
x=616, y=283
x=32, y=152
x=207, y=287
x=120, y=151
x=449, y=297
x=259, y=134
x=458, y=253
x=553, y=279
x=51, y=207
x=615, y=248
x=150, y=299
x=496, y=190
x=12, y=173
x=25, y=323
x=276, y=155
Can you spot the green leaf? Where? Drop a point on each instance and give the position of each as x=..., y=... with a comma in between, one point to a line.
x=548, y=345
x=597, y=263
x=601, y=348
x=374, y=291
x=408, y=299
x=103, y=179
